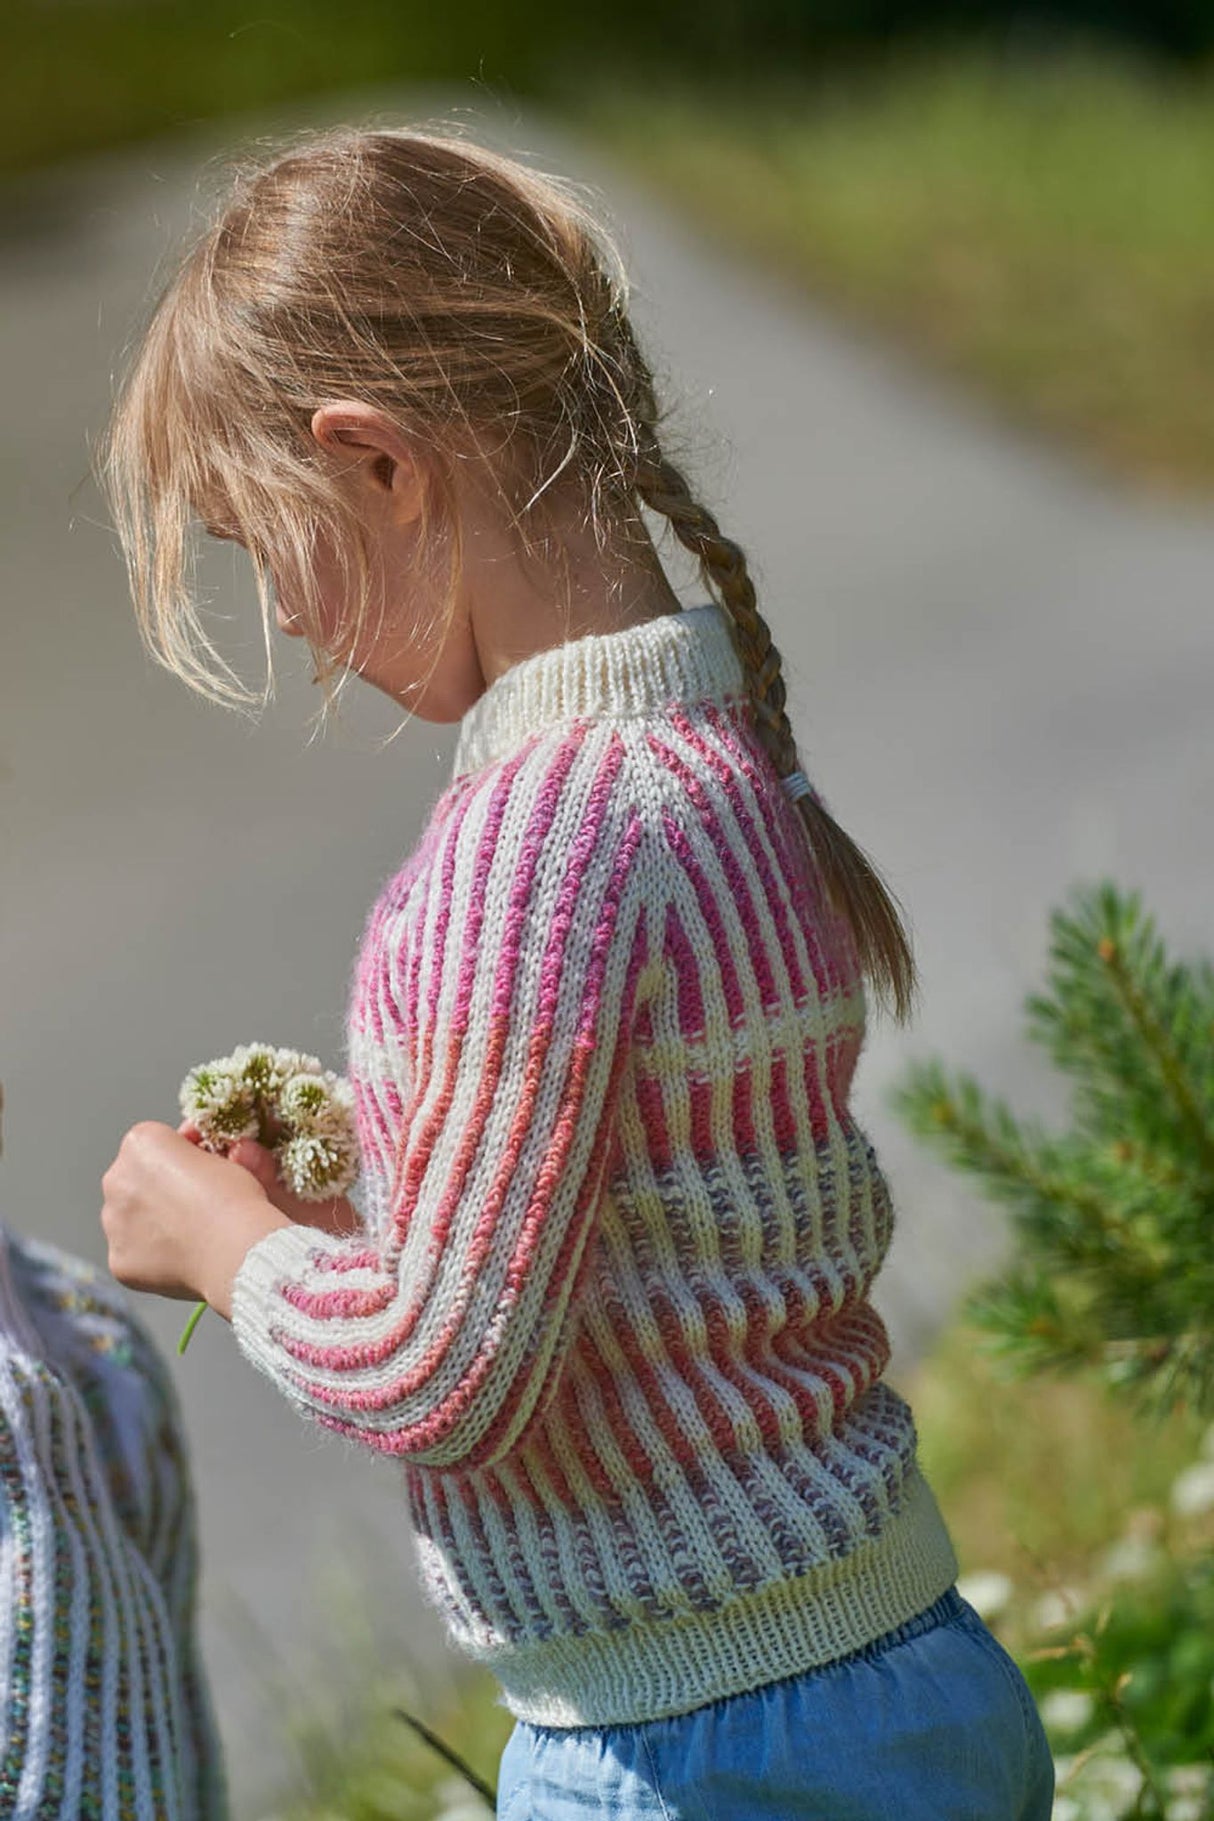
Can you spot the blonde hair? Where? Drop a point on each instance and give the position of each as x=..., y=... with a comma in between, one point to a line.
x=481, y=306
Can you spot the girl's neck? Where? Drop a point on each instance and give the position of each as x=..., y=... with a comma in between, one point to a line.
x=522, y=620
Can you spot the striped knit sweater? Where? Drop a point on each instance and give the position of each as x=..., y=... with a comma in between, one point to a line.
x=106, y=1711
x=611, y=1313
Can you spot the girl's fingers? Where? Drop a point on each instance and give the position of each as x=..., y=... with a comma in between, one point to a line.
x=256, y=1160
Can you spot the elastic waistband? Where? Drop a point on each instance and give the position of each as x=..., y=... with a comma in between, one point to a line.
x=950, y=1605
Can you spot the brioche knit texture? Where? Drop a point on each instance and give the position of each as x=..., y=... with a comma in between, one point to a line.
x=612, y=1311
x=105, y=1710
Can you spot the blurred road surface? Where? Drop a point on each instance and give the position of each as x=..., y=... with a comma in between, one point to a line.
x=999, y=671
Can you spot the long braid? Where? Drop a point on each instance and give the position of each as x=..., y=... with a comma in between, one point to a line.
x=852, y=883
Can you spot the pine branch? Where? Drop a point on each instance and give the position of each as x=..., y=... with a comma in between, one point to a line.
x=1115, y=1219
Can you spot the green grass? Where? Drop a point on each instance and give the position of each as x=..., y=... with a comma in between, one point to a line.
x=1046, y=231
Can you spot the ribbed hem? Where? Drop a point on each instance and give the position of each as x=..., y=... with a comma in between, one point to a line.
x=685, y=656
x=649, y=1672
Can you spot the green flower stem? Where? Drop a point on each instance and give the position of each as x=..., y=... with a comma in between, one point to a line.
x=199, y=1310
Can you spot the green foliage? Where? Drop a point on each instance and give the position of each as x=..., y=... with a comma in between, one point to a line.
x=1146, y=1662
x=1041, y=225
x=1038, y=1475
x=1114, y=1219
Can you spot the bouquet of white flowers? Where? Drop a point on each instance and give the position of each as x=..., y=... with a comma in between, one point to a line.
x=301, y=1112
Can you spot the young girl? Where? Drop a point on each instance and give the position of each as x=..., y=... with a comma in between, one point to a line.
x=609, y=1308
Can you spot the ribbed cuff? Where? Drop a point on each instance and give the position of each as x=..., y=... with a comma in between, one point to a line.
x=276, y=1258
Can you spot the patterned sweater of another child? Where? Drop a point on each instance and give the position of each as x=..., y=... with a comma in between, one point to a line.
x=105, y=1709
x=612, y=1313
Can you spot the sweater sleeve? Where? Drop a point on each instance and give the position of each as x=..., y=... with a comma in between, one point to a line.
x=514, y=997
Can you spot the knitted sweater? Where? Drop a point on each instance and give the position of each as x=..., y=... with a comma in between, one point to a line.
x=104, y=1707
x=612, y=1312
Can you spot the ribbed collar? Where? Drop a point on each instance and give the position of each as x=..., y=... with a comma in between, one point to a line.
x=678, y=657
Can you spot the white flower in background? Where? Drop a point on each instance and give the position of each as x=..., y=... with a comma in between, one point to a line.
x=1129, y=1558
x=1106, y=1785
x=987, y=1591
x=1190, y=1787
x=1065, y=1809
x=1060, y=1606
x=1188, y=1780
x=1193, y=1490
x=1067, y=1709
x=458, y=1801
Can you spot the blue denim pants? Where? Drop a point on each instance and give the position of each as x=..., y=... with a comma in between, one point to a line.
x=932, y=1722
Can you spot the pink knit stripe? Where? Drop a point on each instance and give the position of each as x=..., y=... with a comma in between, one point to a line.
x=506, y=944
x=735, y=892
x=685, y=966
x=738, y=735
x=713, y=915
x=341, y=1304
x=831, y=948
x=755, y=814
x=338, y=1263
x=414, y=1150
x=576, y=1257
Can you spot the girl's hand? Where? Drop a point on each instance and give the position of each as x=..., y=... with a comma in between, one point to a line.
x=338, y=1216
x=179, y=1219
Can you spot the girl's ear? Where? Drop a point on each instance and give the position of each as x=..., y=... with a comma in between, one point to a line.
x=392, y=468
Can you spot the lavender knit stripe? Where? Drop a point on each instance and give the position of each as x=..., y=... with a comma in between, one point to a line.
x=616, y=1321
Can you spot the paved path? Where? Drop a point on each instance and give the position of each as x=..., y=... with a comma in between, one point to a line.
x=1000, y=674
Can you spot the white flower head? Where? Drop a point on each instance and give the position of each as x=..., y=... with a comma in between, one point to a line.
x=283, y=1097
x=987, y=1591
x=1193, y=1490
x=1059, y=1606
x=219, y=1104
x=1189, y=1780
x=1130, y=1558
x=316, y=1165
x=1105, y=1785
x=305, y=1103
x=261, y=1067
x=1066, y=1709
x=458, y=1801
